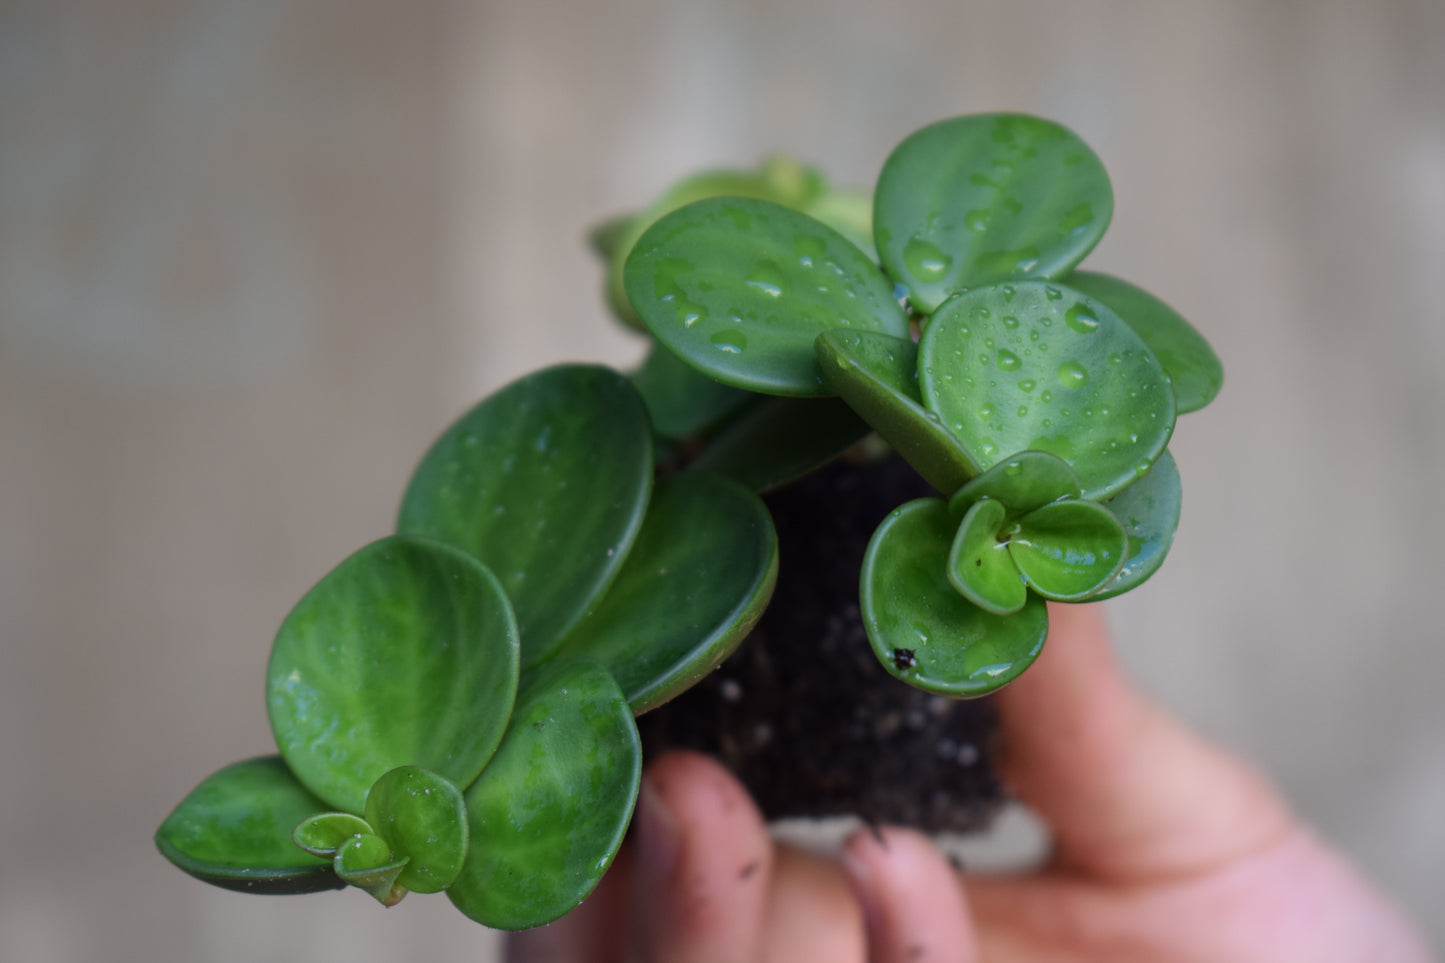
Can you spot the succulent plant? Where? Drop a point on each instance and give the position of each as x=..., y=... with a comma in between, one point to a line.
x=453, y=704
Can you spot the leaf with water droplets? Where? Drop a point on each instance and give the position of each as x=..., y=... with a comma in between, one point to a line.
x=405, y=653
x=546, y=482
x=1194, y=369
x=979, y=565
x=324, y=833
x=1149, y=512
x=1067, y=550
x=776, y=440
x=423, y=819
x=953, y=647
x=984, y=198
x=1086, y=388
x=549, y=812
x=1022, y=482
x=697, y=580
x=877, y=375
x=681, y=401
x=739, y=289
x=234, y=831
x=367, y=863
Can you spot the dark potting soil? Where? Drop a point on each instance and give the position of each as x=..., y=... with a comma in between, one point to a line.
x=803, y=713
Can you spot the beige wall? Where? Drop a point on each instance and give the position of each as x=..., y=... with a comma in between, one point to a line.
x=253, y=255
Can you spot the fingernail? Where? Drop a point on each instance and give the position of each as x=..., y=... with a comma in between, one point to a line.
x=658, y=835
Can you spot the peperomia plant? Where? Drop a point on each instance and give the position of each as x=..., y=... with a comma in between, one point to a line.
x=453, y=704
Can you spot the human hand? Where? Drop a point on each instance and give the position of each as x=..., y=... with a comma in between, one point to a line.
x=1164, y=848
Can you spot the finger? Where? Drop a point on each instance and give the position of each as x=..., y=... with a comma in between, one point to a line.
x=812, y=914
x=1129, y=793
x=704, y=859
x=912, y=899
x=594, y=932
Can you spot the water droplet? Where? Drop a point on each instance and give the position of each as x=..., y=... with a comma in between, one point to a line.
x=1142, y=468
x=808, y=248
x=1008, y=361
x=1012, y=468
x=1053, y=293
x=925, y=260
x=921, y=631
x=1116, y=358
x=1072, y=375
x=730, y=341
x=1010, y=322
x=1026, y=385
x=1081, y=318
x=1008, y=293
x=1023, y=410
x=976, y=220
x=1079, y=217
x=985, y=410
x=1048, y=396
x=768, y=279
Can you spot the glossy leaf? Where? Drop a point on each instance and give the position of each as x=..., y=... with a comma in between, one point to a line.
x=1037, y=366
x=697, y=580
x=739, y=289
x=775, y=440
x=1068, y=550
x=979, y=565
x=877, y=375
x=921, y=629
x=986, y=198
x=1149, y=512
x=1194, y=369
x=782, y=183
x=423, y=819
x=234, y=831
x=406, y=653
x=548, y=814
x=545, y=482
x=1023, y=482
x=681, y=401
x=324, y=833
x=367, y=863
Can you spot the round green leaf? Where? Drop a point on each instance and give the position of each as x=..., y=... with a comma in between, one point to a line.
x=775, y=440
x=680, y=401
x=1023, y=482
x=1195, y=371
x=234, y=831
x=985, y=198
x=877, y=375
x=700, y=575
x=780, y=181
x=549, y=812
x=979, y=565
x=922, y=630
x=1149, y=512
x=423, y=819
x=324, y=833
x=1068, y=550
x=1037, y=366
x=366, y=862
x=739, y=289
x=405, y=653
x=545, y=482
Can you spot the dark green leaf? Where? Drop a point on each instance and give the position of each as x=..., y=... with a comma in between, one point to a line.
x=1194, y=369
x=423, y=819
x=1023, y=482
x=366, y=862
x=680, y=401
x=775, y=184
x=922, y=630
x=1149, y=512
x=701, y=573
x=1038, y=366
x=324, y=833
x=234, y=830
x=986, y=198
x=1068, y=550
x=877, y=375
x=405, y=653
x=739, y=289
x=546, y=482
x=775, y=440
x=979, y=565
x=550, y=811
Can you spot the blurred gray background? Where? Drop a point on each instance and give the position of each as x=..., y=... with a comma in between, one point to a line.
x=254, y=255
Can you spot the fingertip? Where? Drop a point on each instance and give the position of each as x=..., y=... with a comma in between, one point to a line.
x=913, y=901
